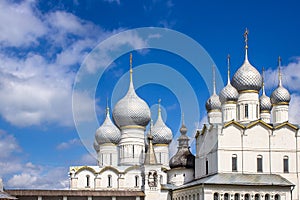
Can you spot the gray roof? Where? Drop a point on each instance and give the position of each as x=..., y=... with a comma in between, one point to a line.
x=241, y=179
x=4, y=195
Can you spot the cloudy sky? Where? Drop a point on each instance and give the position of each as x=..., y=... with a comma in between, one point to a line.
x=44, y=45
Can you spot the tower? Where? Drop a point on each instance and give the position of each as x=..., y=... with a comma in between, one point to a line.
x=131, y=114
x=228, y=97
x=265, y=103
x=247, y=80
x=280, y=99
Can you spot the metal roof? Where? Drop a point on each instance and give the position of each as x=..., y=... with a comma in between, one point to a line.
x=4, y=195
x=241, y=180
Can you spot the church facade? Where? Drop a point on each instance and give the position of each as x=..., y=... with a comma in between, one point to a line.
x=248, y=150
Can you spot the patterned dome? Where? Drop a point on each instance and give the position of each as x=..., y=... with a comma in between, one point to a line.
x=131, y=110
x=228, y=93
x=160, y=132
x=108, y=132
x=213, y=103
x=265, y=103
x=247, y=78
x=280, y=96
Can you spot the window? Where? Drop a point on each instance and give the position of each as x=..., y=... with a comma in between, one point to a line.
x=267, y=197
x=247, y=197
x=87, y=181
x=257, y=197
x=277, y=197
x=216, y=196
x=194, y=197
x=286, y=164
x=256, y=111
x=246, y=111
x=109, y=181
x=133, y=151
x=259, y=164
x=110, y=158
x=198, y=196
x=136, y=181
x=226, y=196
x=234, y=162
x=206, y=167
x=236, y=196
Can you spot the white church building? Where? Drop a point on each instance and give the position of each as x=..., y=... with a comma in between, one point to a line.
x=248, y=150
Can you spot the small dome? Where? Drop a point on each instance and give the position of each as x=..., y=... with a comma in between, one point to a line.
x=280, y=96
x=131, y=110
x=247, y=78
x=160, y=132
x=213, y=103
x=228, y=93
x=265, y=103
x=108, y=132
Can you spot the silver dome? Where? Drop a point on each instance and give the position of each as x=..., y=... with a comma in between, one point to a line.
x=108, y=132
x=213, y=103
x=228, y=93
x=96, y=146
x=247, y=78
x=160, y=132
x=131, y=110
x=265, y=103
x=280, y=96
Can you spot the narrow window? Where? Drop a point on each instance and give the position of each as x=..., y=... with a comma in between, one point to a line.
x=247, y=197
x=160, y=158
x=109, y=181
x=236, y=196
x=110, y=158
x=87, y=181
x=206, y=166
x=194, y=197
x=246, y=110
x=234, y=162
x=267, y=197
x=257, y=197
x=216, y=196
x=226, y=196
x=259, y=164
x=277, y=197
x=136, y=181
x=286, y=164
x=198, y=196
x=238, y=112
x=257, y=111
x=133, y=151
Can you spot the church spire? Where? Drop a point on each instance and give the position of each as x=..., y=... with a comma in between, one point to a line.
x=263, y=81
x=279, y=72
x=214, y=80
x=246, y=44
x=228, y=69
x=130, y=61
x=150, y=158
x=159, y=109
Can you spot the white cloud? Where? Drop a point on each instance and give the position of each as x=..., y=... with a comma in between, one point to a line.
x=8, y=145
x=113, y=1
x=69, y=144
x=20, y=24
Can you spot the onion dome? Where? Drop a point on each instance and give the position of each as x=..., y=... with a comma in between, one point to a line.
x=183, y=158
x=160, y=132
x=228, y=93
x=213, y=103
x=96, y=145
x=264, y=100
x=280, y=95
x=247, y=77
x=108, y=132
x=131, y=110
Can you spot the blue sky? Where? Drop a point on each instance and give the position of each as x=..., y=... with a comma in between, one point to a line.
x=43, y=45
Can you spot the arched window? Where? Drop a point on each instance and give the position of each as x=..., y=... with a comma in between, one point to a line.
x=226, y=196
x=136, y=181
x=109, y=181
x=247, y=197
x=277, y=197
x=259, y=163
x=236, y=196
x=110, y=158
x=246, y=111
x=267, y=197
x=286, y=164
x=206, y=167
x=88, y=181
x=216, y=196
x=257, y=197
x=234, y=162
x=133, y=151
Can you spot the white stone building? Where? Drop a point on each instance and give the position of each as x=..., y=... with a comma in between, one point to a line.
x=248, y=149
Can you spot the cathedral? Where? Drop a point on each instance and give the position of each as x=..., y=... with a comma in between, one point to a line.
x=248, y=150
